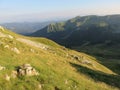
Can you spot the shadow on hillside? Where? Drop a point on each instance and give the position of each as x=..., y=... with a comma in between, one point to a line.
x=98, y=76
x=107, y=54
x=110, y=63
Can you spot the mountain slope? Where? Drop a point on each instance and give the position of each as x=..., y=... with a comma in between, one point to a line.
x=98, y=36
x=80, y=30
x=59, y=68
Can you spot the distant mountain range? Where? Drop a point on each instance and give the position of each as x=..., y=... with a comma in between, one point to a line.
x=84, y=30
x=25, y=28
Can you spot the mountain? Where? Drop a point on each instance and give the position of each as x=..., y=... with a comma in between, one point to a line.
x=25, y=28
x=29, y=63
x=83, y=30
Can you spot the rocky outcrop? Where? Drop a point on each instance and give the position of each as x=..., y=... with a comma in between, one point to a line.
x=26, y=69
x=23, y=70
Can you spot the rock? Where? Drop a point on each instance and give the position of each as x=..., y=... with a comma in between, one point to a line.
x=14, y=74
x=21, y=72
x=2, y=68
x=40, y=86
x=87, y=62
x=9, y=36
x=7, y=77
x=32, y=50
x=67, y=55
x=15, y=50
x=75, y=86
x=26, y=69
x=6, y=46
x=75, y=57
x=66, y=81
x=25, y=66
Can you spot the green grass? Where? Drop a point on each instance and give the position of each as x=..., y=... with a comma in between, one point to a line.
x=56, y=69
x=45, y=41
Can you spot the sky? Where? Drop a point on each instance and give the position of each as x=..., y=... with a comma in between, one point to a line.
x=43, y=10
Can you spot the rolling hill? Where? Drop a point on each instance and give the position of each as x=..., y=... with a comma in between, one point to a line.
x=58, y=68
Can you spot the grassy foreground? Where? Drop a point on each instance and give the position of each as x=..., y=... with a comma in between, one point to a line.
x=58, y=67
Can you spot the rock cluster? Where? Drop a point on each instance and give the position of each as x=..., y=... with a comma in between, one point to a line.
x=77, y=57
x=26, y=69
x=23, y=70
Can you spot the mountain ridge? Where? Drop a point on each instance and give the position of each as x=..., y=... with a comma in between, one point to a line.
x=106, y=27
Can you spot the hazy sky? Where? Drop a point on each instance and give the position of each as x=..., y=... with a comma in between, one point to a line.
x=43, y=10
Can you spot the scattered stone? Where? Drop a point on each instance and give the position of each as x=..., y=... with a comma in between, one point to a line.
x=87, y=62
x=2, y=68
x=9, y=36
x=26, y=69
x=39, y=86
x=75, y=86
x=6, y=46
x=14, y=74
x=32, y=50
x=75, y=57
x=15, y=50
x=7, y=77
x=66, y=81
x=67, y=55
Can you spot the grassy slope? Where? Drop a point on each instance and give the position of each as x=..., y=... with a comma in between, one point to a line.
x=56, y=70
x=108, y=55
